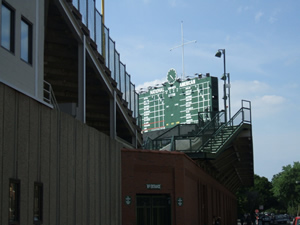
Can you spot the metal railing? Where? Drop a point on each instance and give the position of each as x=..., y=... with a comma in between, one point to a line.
x=203, y=137
x=166, y=138
x=226, y=130
x=99, y=33
x=49, y=95
x=205, y=117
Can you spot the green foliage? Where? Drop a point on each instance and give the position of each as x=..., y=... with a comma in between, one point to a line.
x=286, y=187
x=260, y=194
x=280, y=195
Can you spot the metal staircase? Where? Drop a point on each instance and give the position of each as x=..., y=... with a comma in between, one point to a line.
x=207, y=139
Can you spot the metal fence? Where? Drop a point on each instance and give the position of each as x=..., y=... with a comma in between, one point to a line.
x=99, y=33
x=49, y=95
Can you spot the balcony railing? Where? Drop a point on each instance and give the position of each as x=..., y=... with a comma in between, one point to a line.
x=99, y=33
x=49, y=96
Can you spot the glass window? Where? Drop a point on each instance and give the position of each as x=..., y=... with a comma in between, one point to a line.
x=38, y=203
x=26, y=41
x=14, y=201
x=7, y=27
x=99, y=30
x=82, y=10
x=117, y=69
x=91, y=18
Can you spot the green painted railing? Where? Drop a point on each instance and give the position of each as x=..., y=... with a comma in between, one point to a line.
x=210, y=136
x=220, y=137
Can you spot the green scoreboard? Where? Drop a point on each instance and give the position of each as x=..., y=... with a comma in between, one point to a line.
x=177, y=101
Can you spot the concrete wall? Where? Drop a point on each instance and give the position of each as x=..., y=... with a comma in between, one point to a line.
x=78, y=166
x=11, y=66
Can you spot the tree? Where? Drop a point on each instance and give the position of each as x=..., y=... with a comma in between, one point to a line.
x=286, y=187
x=260, y=194
x=264, y=188
x=281, y=195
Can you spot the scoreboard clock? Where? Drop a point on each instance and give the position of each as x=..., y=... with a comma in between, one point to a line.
x=177, y=101
x=171, y=76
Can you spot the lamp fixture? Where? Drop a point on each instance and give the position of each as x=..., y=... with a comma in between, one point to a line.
x=218, y=54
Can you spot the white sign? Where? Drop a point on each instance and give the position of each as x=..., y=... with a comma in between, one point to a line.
x=179, y=201
x=186, y=83
x=153, y=186
x=156, y=91
x=128, y=200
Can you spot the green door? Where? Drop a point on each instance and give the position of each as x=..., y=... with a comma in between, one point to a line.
x=153, y=210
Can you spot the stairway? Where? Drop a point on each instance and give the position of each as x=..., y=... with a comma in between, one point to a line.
x=207, y=141
x=219, y=139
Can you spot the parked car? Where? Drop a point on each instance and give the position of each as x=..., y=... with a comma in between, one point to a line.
x=266, y=219
x=296, y=220
x=282, y=219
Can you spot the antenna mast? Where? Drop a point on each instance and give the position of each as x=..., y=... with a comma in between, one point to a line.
x=182, y=45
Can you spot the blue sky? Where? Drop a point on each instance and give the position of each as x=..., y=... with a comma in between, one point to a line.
x=261, y=38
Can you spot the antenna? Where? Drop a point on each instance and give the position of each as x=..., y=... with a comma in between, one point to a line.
x=182, y=45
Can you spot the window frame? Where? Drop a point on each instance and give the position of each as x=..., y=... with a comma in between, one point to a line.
x=38, y=202
x=29, y=43
x=12, y=27
x=16, y=202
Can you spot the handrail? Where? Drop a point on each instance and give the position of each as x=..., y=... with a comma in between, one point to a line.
x=99, y=33
x=212, y=127
x=211, y=131
x=49, y=95
x=176, y=134
x=209, y=116
x=178, y=130
x=234, y=123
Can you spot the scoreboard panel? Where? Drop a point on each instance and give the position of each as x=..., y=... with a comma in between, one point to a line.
x=177, y=102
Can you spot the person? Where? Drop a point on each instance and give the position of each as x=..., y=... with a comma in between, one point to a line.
x=248, y=219
x=242, y=219
x=218, y=222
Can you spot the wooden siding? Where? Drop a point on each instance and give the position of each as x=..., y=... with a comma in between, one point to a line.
x=79, y=166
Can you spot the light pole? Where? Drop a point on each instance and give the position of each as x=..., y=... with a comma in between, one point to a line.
x=298, y=208
x=229, y=105
x=219, y=54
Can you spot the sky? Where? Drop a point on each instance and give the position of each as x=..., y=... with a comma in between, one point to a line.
x=261, y=39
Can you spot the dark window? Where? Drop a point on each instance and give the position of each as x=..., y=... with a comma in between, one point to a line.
x=7, y=27
x=26, y=41
x=38, y=203
x=153, y=210
x=14, y=201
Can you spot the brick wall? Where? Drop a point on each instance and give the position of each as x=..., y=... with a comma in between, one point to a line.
x=203, y=197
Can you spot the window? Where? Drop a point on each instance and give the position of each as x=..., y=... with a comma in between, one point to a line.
x=26, y=41
x=7, y=27
x=38, y=203
x=153, y=209
x=14, y=201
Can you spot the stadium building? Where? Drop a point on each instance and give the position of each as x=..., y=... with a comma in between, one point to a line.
x=67, y=108
x=71, y=145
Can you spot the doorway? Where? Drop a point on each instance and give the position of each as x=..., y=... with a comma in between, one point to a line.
x=153, y=209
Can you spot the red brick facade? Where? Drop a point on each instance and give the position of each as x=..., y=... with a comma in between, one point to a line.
x=179, y=177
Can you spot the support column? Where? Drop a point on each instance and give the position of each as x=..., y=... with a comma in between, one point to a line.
x=81, y=108
x=113, y=117
x=135, y=141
